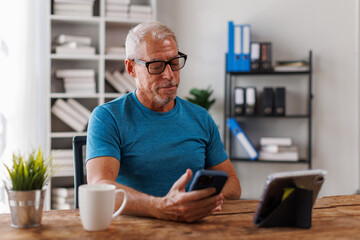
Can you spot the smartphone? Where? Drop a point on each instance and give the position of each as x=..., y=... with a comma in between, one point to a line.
x=209, y=178
x=276, y=184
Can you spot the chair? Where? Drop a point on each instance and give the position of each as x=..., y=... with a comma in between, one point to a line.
x=79, y=148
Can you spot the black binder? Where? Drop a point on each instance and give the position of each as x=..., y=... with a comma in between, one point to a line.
x=239, y=101
x=280, y=101
x=265, y=59
x=268, y=101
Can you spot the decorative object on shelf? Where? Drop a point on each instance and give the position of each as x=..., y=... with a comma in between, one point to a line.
x=29, y=179
x=202, y=97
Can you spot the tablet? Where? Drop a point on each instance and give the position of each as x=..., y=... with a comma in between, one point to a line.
x=278, y=183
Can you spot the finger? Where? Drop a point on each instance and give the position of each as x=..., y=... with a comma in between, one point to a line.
x=199, y=194
x=201, y=209
x=181, y=183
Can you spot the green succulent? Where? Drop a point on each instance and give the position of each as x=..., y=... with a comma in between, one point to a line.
x=201, y=97
x=31, y=174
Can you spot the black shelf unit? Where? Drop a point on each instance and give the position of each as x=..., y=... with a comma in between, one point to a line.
x=231, y=77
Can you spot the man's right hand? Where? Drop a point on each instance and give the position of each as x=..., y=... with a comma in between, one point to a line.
x=179, y=205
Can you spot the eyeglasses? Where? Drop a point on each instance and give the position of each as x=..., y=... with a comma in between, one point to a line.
x=158, y=66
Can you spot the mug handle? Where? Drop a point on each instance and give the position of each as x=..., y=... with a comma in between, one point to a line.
x=123, y=203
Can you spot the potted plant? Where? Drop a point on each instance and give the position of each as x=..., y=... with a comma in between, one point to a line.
x=201, y=97
x=26, y=191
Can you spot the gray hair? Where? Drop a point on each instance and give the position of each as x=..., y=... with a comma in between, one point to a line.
x=137, y=35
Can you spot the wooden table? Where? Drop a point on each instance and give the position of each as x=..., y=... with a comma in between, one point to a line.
x=336, y=217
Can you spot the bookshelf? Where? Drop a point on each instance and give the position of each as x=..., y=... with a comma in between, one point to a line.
x=104, y=31
x=296, y=123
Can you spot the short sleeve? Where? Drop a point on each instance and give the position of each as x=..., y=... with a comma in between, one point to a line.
x=102, y=135
x=215, y=152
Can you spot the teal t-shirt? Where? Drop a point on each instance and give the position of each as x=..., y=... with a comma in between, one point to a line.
x=154, y=149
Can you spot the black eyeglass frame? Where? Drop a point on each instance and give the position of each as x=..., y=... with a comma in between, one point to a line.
x=146, y=64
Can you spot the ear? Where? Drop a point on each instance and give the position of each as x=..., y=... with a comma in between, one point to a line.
x=130, y=67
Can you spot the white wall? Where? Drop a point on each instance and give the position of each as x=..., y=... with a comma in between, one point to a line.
x=328, y=27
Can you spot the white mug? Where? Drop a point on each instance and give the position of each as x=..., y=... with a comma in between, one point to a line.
x=96, y=205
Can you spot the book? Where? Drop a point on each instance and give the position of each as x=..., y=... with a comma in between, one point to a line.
x=65, y=206
x=117, y=7
x=124, y=2
x=242, y=138
x=72, y=13
x=75, y=51
x=114, y=82
x=67, y=119
x=278, y=149
x=63, y=191
x=115, y=51
x=84, y=80
x=75, y=115
x=75, y=73
x=127, y=83
x=146, y=9
x=62, y=153
x=80, y=108
x=65, y=38
x=62, y=200
x=83, y=6
x=291, y=68
x=279, y=156
x=122, y=15
x=142, y=16
x=281, y=141
x=74, y=1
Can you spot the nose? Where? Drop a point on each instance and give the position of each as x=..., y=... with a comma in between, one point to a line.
x=168, y=72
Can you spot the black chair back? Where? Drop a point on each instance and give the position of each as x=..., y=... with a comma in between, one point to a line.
x=79, y=148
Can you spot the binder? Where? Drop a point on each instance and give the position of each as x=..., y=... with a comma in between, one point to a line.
x=242, y=138
x=239, y=100
x=265, y=61
x=280, y=101
x=255, y=56
x=238, y=56
x=250, y=102
x=268, y=101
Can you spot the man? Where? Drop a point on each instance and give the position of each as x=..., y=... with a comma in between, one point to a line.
x=149, y=142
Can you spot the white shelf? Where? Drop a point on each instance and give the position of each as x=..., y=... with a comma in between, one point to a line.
x=104, y=32
x=67, y=134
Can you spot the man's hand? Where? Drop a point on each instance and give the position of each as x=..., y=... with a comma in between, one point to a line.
x=179, y=205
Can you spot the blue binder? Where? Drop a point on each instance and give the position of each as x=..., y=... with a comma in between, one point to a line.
x=242, y=138
x=238, y=56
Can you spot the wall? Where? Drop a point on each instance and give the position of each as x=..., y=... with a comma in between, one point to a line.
x=328, y=27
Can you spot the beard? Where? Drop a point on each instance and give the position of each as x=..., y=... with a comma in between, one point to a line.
x=168, y=96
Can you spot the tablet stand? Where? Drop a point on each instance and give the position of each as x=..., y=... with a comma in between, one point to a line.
x=294, y=211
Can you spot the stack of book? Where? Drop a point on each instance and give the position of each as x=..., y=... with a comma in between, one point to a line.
x=72, y=113
x=140, y=12
x=291, y=66
x=116, y=51
x=64, y=162
x=78, y=80
x=62, y=198
x=117, y=8
x=73, y=45
x=74, y=7
x=122, y=82
x=278, y=149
